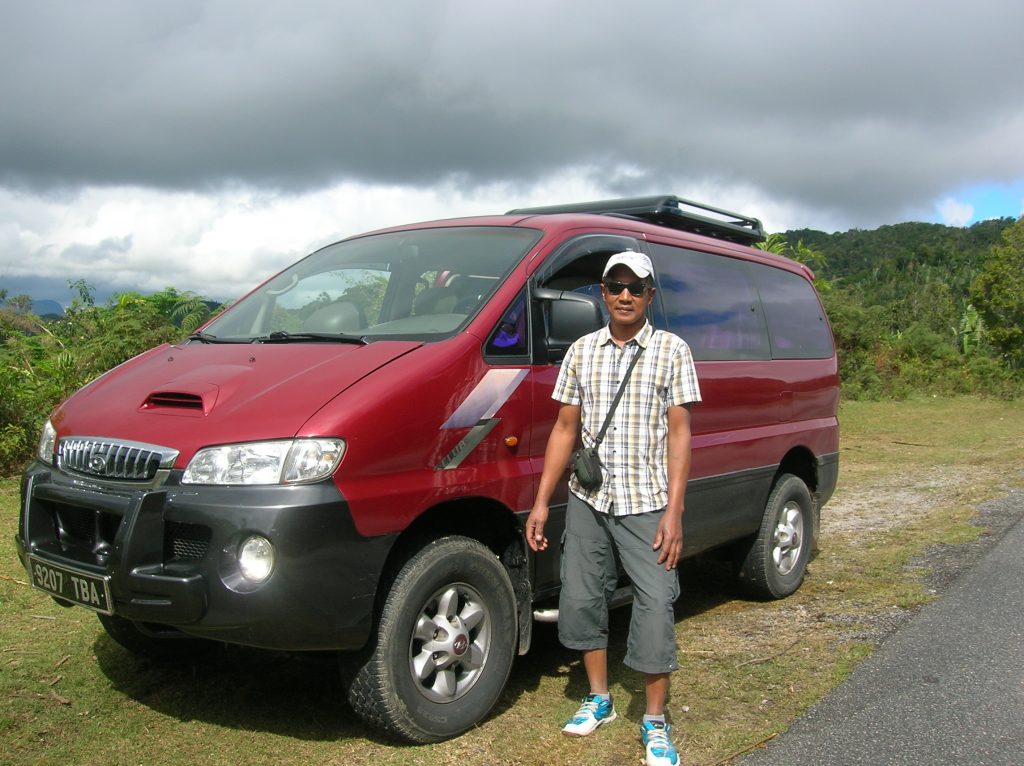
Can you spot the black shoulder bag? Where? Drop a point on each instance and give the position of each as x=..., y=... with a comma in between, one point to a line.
x=585, y=462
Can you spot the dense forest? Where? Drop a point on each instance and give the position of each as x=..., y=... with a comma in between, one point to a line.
x=917, y=309
x=921, y=308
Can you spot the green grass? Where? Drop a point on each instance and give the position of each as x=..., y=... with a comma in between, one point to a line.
x=70, y=695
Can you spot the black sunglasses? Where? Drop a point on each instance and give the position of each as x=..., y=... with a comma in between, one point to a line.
x=636, y=289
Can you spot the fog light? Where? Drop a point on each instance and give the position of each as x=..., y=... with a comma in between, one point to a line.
x=256, y=558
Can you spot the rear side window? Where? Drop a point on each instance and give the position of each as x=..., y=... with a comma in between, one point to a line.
x=711, y=303
x=796, y=321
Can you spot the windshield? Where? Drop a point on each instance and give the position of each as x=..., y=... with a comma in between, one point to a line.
x=422, y=284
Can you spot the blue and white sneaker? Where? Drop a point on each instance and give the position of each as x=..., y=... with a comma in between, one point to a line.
x=594, y=711
x=657, y=739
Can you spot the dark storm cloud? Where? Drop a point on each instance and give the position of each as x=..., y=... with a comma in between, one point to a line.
x=862, y=107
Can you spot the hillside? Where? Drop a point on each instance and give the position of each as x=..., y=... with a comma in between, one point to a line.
x=887, y=263
x=899, y=299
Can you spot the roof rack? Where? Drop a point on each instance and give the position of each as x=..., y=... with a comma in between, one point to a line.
x=667, y=210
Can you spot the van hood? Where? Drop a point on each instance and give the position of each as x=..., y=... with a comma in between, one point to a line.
x=194, y=395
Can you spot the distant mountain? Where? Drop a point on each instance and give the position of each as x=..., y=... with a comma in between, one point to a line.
x=46, y=308
x=55, y=291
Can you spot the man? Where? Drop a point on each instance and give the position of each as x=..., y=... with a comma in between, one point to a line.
x=637, y=511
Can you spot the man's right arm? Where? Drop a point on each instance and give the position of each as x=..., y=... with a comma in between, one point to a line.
x=556, y=458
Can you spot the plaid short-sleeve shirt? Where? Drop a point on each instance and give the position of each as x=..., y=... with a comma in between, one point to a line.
x=634, y=451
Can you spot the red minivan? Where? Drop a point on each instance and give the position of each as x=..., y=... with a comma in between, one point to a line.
x=343, y=459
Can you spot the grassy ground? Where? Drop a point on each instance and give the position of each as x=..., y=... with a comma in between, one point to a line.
x=912, y=474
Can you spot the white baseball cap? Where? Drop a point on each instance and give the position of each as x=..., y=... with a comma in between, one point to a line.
x=636, y=262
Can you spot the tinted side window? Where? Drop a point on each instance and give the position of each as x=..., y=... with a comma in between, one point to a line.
x=796, y=321
x=710, y=303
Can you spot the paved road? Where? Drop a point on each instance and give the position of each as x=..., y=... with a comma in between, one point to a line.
x=947, y=688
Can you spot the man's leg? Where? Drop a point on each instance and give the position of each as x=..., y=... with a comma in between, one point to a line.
x=656, y=687
x=595, y=662
x=651, y=648
x=588, y=576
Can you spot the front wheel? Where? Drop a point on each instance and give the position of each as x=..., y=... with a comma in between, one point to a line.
x=775, y=564
x=444, y=645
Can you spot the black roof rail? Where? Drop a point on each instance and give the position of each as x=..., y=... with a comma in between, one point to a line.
x=667, y=210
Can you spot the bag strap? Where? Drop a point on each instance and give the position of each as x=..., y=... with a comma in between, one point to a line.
x=618, y=396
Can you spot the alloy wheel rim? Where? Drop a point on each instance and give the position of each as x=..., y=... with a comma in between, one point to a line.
x=450, y=643
x=788, y=538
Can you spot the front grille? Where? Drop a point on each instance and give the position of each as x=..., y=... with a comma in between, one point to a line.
x=117, y=460
x=83, y=526
x=185, y=541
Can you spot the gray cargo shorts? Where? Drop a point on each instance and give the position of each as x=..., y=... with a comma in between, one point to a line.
x=589, y=577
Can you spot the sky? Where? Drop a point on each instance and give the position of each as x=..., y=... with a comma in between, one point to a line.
x=206, y=144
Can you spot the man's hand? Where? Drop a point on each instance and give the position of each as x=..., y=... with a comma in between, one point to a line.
x=669, y=539
x=535, y=528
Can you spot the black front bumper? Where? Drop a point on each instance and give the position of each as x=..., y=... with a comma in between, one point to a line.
x=170, y=555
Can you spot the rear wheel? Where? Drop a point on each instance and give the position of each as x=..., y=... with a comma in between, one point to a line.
x=775, y=564
x=444, y=645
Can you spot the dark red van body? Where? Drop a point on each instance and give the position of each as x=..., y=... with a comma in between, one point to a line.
x=442, y=439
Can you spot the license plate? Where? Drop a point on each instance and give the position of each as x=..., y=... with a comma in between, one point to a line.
x=88, y=590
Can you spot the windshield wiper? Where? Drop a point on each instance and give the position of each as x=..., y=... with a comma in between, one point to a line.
x=281, y=336
x=203, y=337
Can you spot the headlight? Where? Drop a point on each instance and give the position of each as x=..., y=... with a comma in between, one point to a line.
x=278, y=462
x=47, y=444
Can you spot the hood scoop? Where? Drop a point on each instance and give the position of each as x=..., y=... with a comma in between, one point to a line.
x=180, y=402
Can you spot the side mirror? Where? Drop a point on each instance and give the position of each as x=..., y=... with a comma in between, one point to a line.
x=570, y=317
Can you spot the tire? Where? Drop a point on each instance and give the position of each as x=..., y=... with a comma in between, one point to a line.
x=153, y=641
x=776, y=561
x=444, y=645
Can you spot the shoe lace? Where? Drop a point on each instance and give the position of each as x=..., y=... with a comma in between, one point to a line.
x=657, y=738
x=590, y=705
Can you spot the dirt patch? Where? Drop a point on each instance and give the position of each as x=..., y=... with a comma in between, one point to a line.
x=897, y=500
x=743, y=629
x=903, y=499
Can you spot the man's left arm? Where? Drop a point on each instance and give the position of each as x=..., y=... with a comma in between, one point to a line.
x=669, y=537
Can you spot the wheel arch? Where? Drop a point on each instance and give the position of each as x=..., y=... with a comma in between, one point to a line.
x=479, y=518
x=800, y=461
x=803, y=464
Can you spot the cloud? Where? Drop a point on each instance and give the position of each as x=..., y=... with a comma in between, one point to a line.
x=220, y=245
x=194, y=94
x=205, y=143
x=955, y=213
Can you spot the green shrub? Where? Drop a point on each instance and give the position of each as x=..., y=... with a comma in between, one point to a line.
x=44, y=362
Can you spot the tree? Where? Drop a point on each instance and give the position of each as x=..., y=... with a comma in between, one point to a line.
x=808, y=255
x=187, y=309
x=774, y=243
x=932, y=305
x=998, y=294
x=42, y=362
x=971, y=331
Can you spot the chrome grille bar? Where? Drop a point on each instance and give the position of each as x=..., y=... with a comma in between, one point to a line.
x=113, y=459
